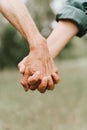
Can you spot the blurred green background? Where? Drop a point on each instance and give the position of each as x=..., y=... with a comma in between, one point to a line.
x=62, y=109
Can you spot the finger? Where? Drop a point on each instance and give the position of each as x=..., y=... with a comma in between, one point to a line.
x=24, y=82
x=21, y=66
x=22, y=69
x=43, y=85
x=50, y=84
x=25, y=86
x=55, y=78
x=34, y=78
x=34, y=86
x=56, y=70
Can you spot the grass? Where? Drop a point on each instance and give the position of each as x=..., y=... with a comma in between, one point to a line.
x=65, y=108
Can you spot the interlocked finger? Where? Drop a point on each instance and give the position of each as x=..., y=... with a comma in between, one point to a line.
x=35, y=86
x=50, y=84
x=55, y=78
x=43, y=85
x=34, y=78
x=24, y=80
x=24, y=84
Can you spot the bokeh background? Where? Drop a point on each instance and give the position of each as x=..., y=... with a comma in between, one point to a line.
x=65, y=108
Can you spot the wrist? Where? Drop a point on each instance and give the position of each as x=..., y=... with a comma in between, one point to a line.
x=69, y=27
x=37, y=42
x=61, y=35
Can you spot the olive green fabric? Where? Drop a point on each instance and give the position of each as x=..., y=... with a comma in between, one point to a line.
x=75, y=10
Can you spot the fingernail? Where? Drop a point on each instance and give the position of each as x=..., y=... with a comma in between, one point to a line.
x=22, y=68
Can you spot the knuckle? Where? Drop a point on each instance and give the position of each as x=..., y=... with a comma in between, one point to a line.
x=52, y=87
x=23, y=83
x=42, y=90
x=58, y=79
x=56, y=71
x=31, y=82
x=32, y=87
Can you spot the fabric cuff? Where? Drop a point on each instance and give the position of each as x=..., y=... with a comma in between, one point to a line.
x=76, y=15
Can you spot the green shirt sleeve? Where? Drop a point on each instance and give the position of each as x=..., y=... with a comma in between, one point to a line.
x=75, y=10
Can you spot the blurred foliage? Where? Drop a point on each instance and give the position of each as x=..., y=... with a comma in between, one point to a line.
x=13, y=47
x=77, y=48
x=42, y=14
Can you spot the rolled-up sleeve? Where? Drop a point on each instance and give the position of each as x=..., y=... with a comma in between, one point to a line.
x=76, y=11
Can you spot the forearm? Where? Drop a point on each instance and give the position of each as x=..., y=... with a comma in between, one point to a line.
x=61, y=35
x=16, y=12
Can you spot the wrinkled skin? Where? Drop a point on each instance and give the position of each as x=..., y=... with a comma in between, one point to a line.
x=39, y=71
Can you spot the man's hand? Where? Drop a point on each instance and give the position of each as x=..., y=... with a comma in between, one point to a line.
x=38, y=69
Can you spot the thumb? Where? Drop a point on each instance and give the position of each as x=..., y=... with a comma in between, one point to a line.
x=21, y=67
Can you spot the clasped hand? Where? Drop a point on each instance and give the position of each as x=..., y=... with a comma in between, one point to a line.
x=38, y=70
